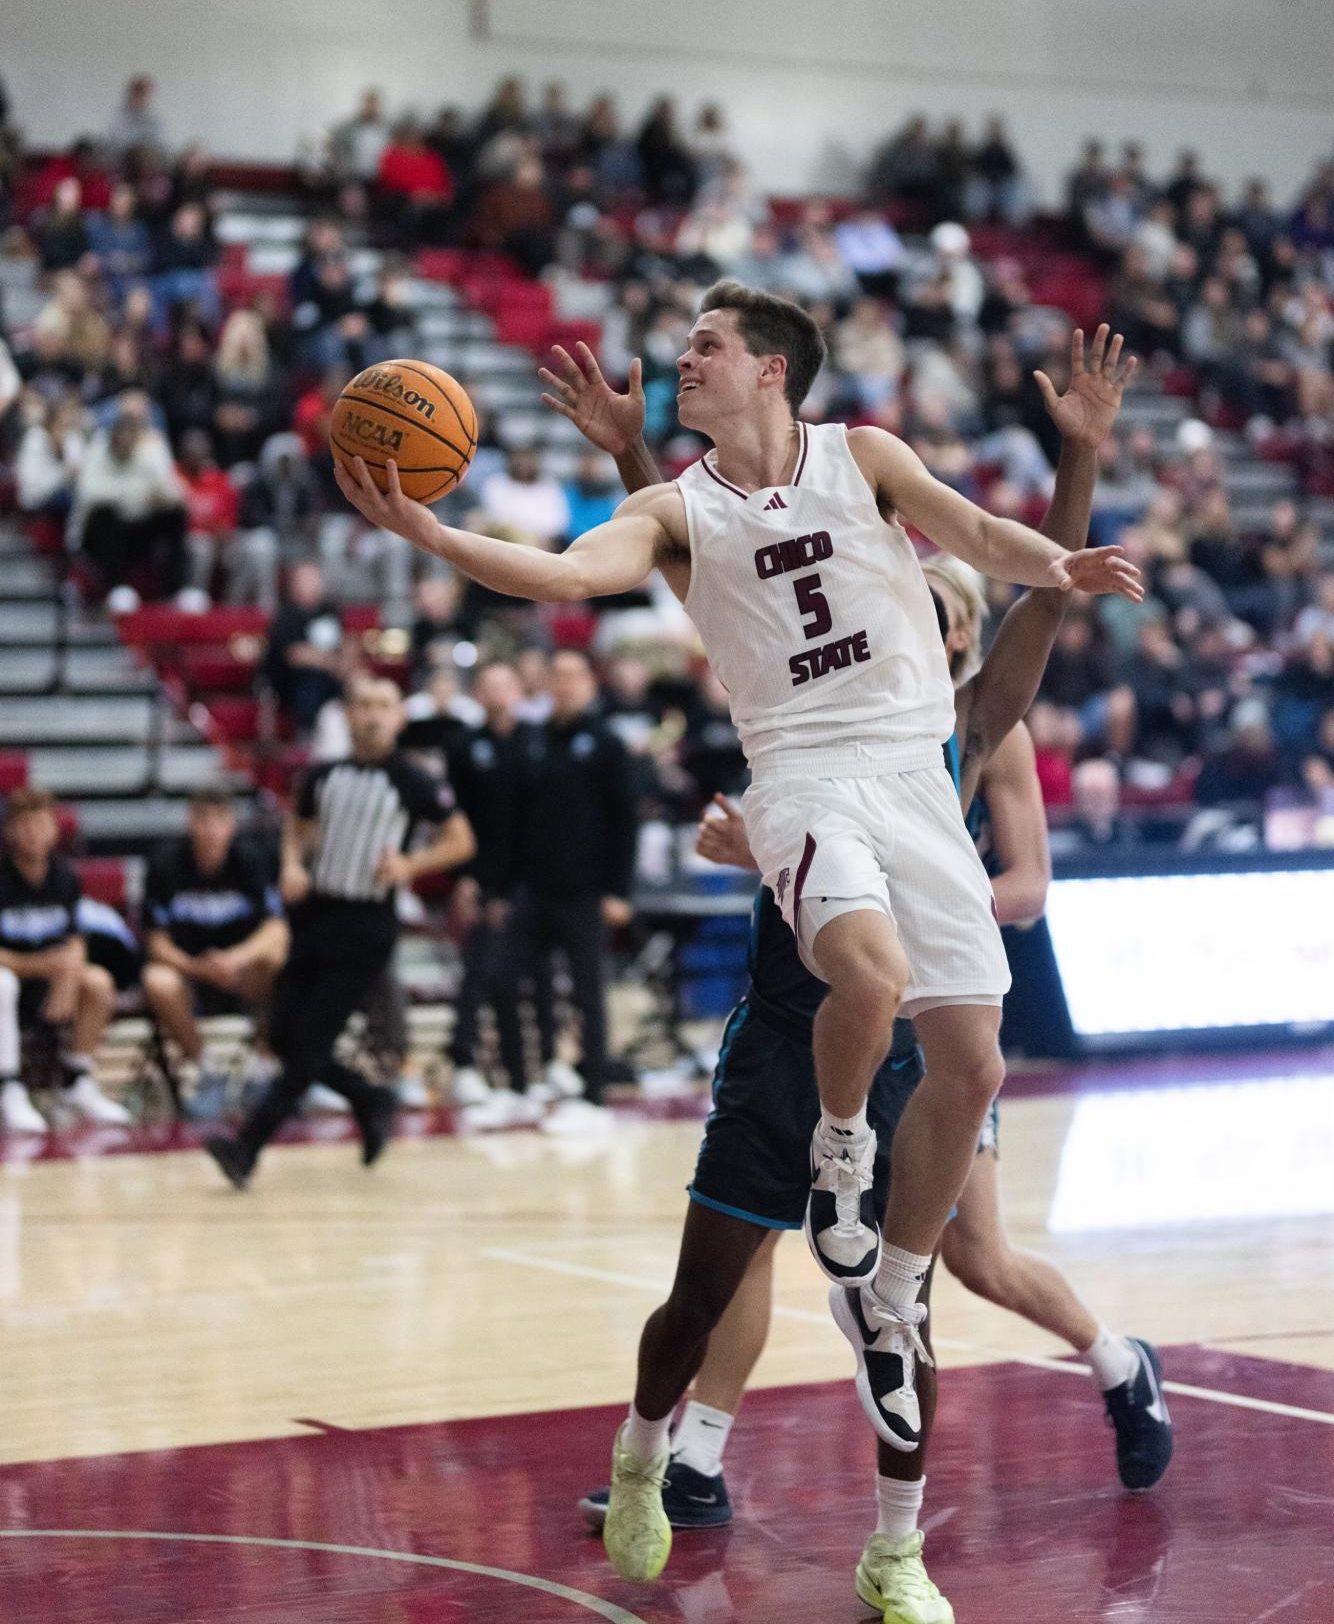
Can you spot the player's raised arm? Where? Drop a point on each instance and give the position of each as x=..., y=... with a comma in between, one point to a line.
x=1000, y=694
x=613, y=557
x=1001, y=548
x=614, y=423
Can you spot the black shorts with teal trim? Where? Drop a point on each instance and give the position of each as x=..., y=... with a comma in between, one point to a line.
x=755, y=1161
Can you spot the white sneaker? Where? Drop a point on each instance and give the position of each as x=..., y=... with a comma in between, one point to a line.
x=505, y=1109
x=469, y=1087
x=87, y=1100
x=17, y=1112
x=563, y=1080
x=413, y=1094
x=122, y=600
x=578, y=1119
x=325, y=1102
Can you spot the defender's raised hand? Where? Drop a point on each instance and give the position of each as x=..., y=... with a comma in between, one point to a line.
x=1086, y=411
x=610, y=421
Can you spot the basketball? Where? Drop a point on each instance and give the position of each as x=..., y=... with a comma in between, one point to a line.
x=413, y=414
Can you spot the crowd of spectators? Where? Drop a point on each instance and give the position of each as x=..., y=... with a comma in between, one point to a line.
x=182, y=443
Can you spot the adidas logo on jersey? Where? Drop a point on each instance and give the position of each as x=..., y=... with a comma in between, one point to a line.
x=775, y=502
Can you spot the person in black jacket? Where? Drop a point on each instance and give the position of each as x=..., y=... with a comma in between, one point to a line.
x=573, y=860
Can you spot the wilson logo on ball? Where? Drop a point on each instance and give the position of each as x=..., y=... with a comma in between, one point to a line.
x=389, y=383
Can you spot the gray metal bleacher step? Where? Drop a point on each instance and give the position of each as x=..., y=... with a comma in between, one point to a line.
x=34, y=625
x=92, y=770
x=32, y=719
x=83, y=671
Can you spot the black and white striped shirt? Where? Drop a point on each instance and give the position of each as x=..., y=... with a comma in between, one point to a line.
x=364, y=810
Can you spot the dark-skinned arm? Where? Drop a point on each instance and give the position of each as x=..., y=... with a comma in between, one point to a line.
x=1000, y=695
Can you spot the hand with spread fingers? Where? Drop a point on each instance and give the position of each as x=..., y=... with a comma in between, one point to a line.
x=387, y=510
x=1086, y=411
x=612, y=422
x=1099, y=570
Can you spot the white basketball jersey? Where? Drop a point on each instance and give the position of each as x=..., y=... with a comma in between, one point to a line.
x=816, y=617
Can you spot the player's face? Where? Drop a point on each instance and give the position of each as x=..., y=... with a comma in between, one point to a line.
x=32, y=836
x=718, y=377
x=211, y=831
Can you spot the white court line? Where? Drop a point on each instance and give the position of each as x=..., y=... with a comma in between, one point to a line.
x=1238, y=1401
x=531, y=1581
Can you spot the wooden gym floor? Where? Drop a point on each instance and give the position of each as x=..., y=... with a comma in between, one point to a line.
x=376, y=1396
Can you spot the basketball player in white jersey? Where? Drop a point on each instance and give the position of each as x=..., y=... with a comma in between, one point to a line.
x=786, y=546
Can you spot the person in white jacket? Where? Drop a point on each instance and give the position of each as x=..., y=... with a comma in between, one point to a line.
x=130, y=510
x=50, y=454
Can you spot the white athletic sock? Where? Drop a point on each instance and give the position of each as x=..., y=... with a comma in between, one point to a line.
x=646, y=1440
x=79, y=1063
x=899, y=1278
x=1113, y=1359
x=841, y=1128
x=900, y=1504
x=701, y=1437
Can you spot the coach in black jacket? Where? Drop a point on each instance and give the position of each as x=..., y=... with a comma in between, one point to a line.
x=574, y=853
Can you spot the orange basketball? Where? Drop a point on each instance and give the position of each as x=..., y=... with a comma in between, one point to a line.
x=411, y=413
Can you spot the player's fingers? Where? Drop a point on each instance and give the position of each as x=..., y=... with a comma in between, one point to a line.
x=1099, y=347
x=395, y=492
x=1128, y=371
x=1113, y=354
x=589, y=362
x=637, y=379
x=568, y=366
x=558, y=406
x=562, y=389
x=1076, y=352
x=369, y=490
x=1047, y=388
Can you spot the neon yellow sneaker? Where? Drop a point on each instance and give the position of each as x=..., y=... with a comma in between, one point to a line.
x=892, y=1578
x=636, y=1532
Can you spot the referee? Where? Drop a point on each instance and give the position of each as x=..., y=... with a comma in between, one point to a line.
x=345, y=853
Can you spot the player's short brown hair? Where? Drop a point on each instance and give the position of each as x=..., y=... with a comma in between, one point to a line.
x=769, y=325
x=20, y=802
x=213, y=795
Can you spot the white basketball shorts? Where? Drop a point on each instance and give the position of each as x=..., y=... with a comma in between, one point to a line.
x=895, y=841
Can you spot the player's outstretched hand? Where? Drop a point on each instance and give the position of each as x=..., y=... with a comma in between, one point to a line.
x=1086, y=411
x=721, y=836
x=1099, y=570
x=612, y=422
x=388, y=510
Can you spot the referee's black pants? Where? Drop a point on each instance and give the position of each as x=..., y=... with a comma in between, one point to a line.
x=339, y=951
x=545, y=924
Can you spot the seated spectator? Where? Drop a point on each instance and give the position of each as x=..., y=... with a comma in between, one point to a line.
x=45, y=978
x=1098, y=822
x=1155, y=236
x=1318, y=766
x=188, y=389
x=812, y=269
x=60, y=232
x=216, y=936
x=1245, y=766
x=952, y=262
x=79, y=334
x=867, y=348
x=1317, y=618
x=1141, y=310
x=905, y=168
x=50, y=454
x=119, y=241
x=84, y=162
x=250, y=401
x=872, y=250
x=592, y=495
x=212, y=506
x=415, y=187
x=525, y=500
x=130, y=511
x=995, y=189
x=435, y=624
x=183, y=264
x=137, y=123
x=609, y=152
x=555, y=127
x=711, y=148
x=669, y=169
x=1111, y=217
x=359, y=142
x=301, y=660
x=516, y=215
x=279, y=517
